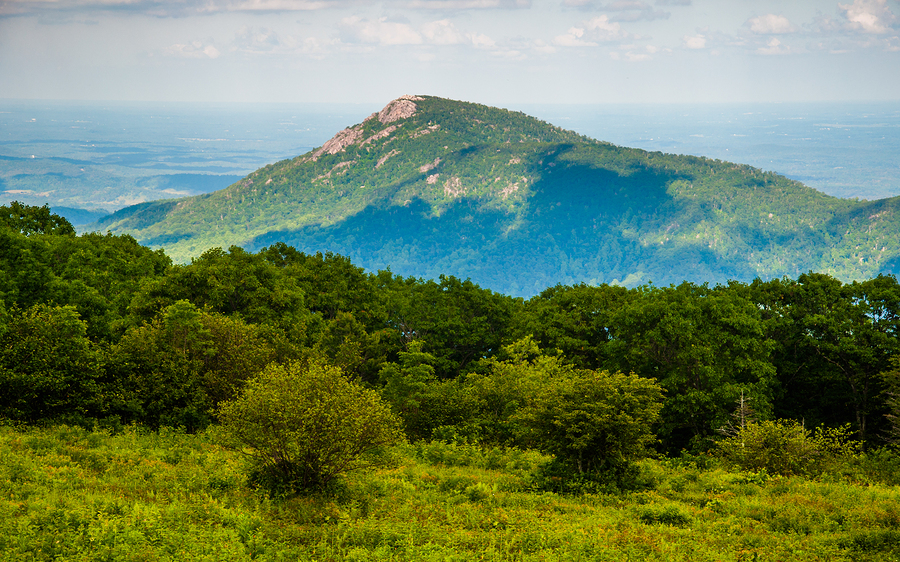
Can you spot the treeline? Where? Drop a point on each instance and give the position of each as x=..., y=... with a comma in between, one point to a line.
x=99, y=329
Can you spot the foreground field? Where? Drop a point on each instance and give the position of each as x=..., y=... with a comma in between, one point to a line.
x=72, y=494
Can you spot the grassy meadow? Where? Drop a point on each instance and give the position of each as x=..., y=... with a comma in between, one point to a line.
x=73, y=494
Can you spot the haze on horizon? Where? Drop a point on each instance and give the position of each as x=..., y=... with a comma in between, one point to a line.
x=487, y=51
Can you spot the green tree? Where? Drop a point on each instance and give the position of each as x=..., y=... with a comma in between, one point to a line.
x=303, y=425
x=49, y=369
x=159, y=367
x=832, y=341
x=594, y=422
x=98, y=274
x=407, y=387
x=460, y=322
x=175, y=369
x=504, y=384
x=29, y=220
x=704, y=346
x=234, y=283
x=576, y=320
x=25, y=271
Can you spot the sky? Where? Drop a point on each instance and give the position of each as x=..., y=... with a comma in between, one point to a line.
x=498, y=52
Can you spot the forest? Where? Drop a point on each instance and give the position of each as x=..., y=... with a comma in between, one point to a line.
x=660, y=415
x=518, y=205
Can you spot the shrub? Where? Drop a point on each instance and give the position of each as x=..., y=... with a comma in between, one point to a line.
x=305, y=424
x=595, y=423
x=786, y=447
x=668, y=515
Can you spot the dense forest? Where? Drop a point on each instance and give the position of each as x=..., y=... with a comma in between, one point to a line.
x=101, y=327
x=151, y=410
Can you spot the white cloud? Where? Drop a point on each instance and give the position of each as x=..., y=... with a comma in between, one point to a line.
x=469, y=4
x=266, y=5
x=573, y=38
x=868, y=16
x=591, y=33
x=192, y=50
x=770, y=24
x=695, y=42
x=543, y=47
x=860, y=26
x=265, y=42
x=377, y=32
x=623, y=10
x=442, y=32
x=773, y=47
x=256, y=40
x=634, y=53
x=512, y=54
x=480, y=41
x=384, y=32
x=164, y=8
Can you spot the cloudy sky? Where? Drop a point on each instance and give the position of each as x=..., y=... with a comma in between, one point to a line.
x=489, y=51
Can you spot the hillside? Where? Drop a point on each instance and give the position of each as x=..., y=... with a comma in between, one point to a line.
x=430, y=186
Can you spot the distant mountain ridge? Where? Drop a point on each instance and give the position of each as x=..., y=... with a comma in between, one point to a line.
x=431, y=186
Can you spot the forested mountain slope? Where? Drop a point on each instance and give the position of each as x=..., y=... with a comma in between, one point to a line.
x=430, y=186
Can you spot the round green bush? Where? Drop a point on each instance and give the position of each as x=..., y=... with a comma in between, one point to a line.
x=305, y=424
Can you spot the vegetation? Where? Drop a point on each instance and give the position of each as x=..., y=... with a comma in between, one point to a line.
x=518, y=205
x=786, y=447
x=257, y=404
x=71, y=493
x=304, y=425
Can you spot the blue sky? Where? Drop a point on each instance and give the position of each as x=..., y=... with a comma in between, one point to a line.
x=488, y=51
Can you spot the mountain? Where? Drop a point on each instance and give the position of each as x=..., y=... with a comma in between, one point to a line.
x=77, y=216
x=429, y=186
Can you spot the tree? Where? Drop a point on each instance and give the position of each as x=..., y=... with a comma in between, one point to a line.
x=303, y=425
x=833, y=340
x=594, y=418
x=460, y=322
x=49, y=369
x=407, y=385
x=595, y=423
x=235, y=283
x=576, y=320
x=175, y=369
x=704, y=346
x=29, y=220
x=505, y=384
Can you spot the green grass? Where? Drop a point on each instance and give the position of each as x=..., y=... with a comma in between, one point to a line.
x=73, y=494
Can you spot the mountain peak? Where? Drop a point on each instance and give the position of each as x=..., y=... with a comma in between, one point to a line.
x=403, y=107
x=400, y=108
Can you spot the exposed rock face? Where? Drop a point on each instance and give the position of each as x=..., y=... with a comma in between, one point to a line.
x=339, y=142
x=453, y=187
x=384, y=158
x=400, y=108
x=428, y=167
x=380, y=135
